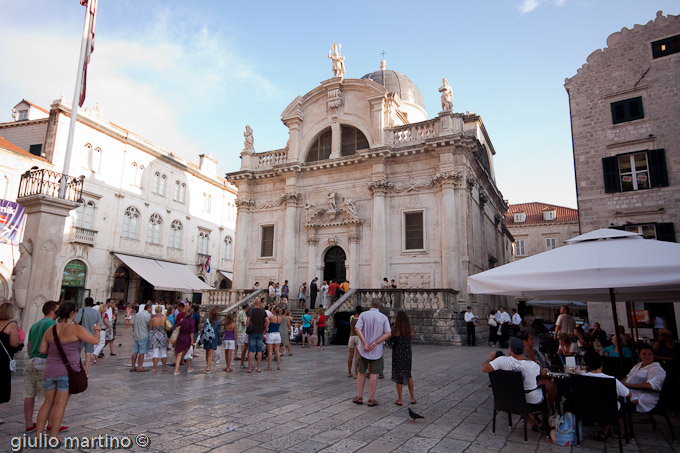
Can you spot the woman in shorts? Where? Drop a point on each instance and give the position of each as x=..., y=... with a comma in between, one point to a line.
x=229, y=339
x=353, y=342
x=158, y=339
x=273, y=326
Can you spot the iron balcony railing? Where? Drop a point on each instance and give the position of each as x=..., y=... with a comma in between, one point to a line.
x=38, y=181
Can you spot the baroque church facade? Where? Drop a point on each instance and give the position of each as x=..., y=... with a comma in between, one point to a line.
x=368, y=187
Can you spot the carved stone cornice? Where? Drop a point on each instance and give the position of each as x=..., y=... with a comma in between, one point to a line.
x=312, y=240
x=380, y=187
x=354, y=237
x=449, y=179
x=289, y=198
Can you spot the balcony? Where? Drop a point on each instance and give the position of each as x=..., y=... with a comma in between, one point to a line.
x=201, y=259
x=83, y=235
x=52, y=184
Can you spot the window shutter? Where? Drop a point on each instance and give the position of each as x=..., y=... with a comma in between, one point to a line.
x=665, y=232
x=610, y=168
x=657, y=167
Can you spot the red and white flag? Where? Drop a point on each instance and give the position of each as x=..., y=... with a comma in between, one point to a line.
x=91, y=6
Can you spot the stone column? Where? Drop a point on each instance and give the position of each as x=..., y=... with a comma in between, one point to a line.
x=450, y=246
x=335, y=140
x=354, y=239
x=38, y=272
x=290, y=239
x=312, y=243
x=294, y=125
x=379, y=189
x=243, y=242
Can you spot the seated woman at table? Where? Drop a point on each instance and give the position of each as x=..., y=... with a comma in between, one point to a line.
x=646, y=375
x=613, y=350
x=593, y=362
x=532, y=354
x=566, y=345
x=596, y=333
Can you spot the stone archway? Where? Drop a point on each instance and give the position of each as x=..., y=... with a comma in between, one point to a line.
x=334, y=264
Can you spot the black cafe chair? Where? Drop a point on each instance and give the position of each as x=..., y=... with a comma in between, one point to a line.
x=612, y=367
x=661, y=408
x=509, y=396
x=593, y=399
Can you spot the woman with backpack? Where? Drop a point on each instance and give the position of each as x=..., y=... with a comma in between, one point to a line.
x=210, y=337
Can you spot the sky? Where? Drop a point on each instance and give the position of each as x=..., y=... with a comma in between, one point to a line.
x=189, y=76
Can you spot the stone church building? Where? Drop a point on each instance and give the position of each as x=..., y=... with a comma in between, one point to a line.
x=368, y=187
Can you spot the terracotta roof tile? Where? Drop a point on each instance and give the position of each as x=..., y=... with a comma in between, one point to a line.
x=36, y=106
x=12, y=147
x=534, y=212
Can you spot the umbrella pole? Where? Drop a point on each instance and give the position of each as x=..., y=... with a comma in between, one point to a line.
x=612, y=298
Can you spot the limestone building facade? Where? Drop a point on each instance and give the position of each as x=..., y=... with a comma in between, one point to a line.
x=625, y=105
x=368, y=187
x=141, y=205
x=539, y=227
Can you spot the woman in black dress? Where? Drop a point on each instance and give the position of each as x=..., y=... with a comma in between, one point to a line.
x=9, y=337
x=402, y=335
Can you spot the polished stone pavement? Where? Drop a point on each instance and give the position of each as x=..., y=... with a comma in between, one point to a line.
x=305, y=407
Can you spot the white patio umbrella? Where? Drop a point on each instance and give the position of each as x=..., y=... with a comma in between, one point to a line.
x=598, y=266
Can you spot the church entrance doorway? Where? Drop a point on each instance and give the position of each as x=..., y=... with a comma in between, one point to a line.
x=334, y=265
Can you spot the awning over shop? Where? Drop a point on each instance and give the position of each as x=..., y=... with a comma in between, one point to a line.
x=229, y=275
x=163, y=275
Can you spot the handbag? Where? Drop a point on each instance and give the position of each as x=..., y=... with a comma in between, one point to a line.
x=77, y=379
x=12, y=362
x=168, y=325
x=249, y=329
x=174, y=336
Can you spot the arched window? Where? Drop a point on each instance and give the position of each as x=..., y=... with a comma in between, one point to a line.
x=321, y=147
x=85, y=215
x=207, y=201
x=228, y=248
x=352, y=141
x=161, y=188
x=203, y=239
x=130, y=219
x=156, y=182
x=96, y=160
x=140, y=175
x=153, y=234
x=175, y=234
x=179, y=192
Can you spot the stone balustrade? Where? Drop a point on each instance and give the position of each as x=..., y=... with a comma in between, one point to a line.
x=83, y=235
x=414, y=132
x=271, y=158
x=225, y=297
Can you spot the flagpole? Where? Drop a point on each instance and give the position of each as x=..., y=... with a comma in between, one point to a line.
x=76, y=101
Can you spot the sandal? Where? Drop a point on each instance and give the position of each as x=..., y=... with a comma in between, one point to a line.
x=398, y=403
x=372, y=403
x=358, y=400
x=601, y=436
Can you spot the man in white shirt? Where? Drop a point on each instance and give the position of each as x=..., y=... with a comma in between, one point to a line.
x=470, y=321
x=504, y=327
x=516, y=320
x=517, y=362
x=373, y=329
x=594, y=364
x=565, y=323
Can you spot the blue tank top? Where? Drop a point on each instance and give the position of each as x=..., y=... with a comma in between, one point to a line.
x=274, y=327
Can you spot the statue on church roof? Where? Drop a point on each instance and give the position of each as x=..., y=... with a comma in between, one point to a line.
x=447, y=96
x=338, y=61
x=249, y=141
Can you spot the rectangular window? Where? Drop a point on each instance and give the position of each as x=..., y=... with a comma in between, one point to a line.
x=627, y=110
x=666, y=46
x=414, y=238
x=519, y=248
x=635, y=171
x=36, y=150
x=550, y=243
x=520, y=217
x=659, y=231
x=267, y=241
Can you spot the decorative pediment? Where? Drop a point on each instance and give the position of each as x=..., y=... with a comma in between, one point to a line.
x=289, y=198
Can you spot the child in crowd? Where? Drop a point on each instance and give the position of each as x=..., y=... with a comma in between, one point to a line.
x=297, y=335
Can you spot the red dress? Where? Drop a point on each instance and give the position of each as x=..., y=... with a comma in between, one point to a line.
x=186, y=335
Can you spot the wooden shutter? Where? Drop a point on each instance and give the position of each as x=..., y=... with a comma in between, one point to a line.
x=657, y=167
x=665, y=232
x=610, y=169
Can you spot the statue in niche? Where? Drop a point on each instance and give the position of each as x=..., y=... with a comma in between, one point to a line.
x=350, y=206
x=338, y=61
x=447, y=96
x=249, y=141
x=21, y=273
x=332, y=202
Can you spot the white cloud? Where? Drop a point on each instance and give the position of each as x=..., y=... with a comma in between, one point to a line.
x=528, y=5
x=148, y=81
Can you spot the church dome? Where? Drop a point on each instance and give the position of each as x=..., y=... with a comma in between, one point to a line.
x=397, y=82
